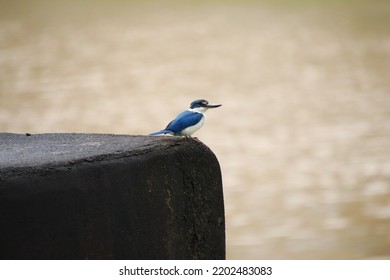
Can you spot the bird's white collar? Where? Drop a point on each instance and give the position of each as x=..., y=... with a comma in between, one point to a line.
x=200, y=110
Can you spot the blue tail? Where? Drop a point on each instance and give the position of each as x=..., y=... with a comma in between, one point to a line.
x=164, y=131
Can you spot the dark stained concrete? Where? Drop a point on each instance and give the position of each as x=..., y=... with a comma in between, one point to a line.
x=97, y=196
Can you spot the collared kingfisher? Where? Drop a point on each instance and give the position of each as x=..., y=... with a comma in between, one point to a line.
x=189, y=121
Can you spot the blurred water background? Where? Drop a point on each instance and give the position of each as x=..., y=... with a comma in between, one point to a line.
x=303, y=136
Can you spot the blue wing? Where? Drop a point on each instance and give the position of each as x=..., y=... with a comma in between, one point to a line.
x=184, y=120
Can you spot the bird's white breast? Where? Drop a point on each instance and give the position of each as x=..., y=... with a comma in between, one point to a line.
x=191, y=129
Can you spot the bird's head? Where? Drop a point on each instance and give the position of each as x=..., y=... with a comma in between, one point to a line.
x=202, y=105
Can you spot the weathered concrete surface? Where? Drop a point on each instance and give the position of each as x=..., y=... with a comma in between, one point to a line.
x=94, y=196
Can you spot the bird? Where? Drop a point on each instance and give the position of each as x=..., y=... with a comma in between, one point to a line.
x=189, y=121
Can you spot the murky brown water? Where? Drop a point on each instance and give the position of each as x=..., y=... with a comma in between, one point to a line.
x=303, y=136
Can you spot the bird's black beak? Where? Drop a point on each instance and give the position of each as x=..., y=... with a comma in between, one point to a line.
x=213, y=105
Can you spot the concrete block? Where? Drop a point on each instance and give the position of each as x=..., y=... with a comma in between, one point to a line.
x=98, y=196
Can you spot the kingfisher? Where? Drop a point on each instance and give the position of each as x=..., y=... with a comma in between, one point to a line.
x=189, y=121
